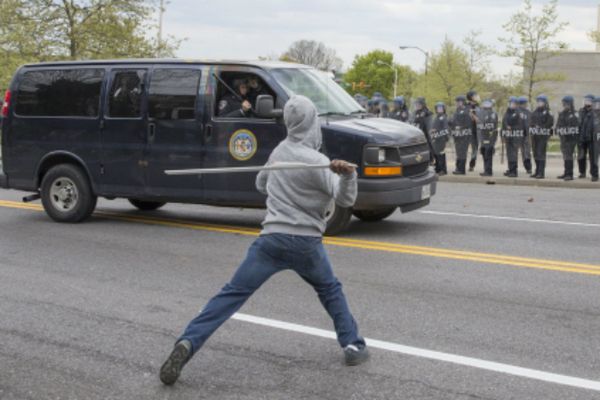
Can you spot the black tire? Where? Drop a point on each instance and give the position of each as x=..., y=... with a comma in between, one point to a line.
x=374, y=215
x=338, y=220
x=146, y=205
x=71, y=182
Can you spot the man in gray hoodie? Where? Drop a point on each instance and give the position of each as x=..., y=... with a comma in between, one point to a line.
x=291, y=239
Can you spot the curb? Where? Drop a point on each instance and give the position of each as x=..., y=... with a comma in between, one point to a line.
x=524, y=181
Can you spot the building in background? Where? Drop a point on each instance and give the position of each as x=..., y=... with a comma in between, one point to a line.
x=580, y=71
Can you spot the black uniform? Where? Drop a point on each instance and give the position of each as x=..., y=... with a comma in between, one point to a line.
x=400, y=114
x=513, y=132
x=526, y=144
x=567, y=127
x=422, y=120
x=439, y=133
x=473, y=109
x=540, y=130
x=461, y=132
x=230, y=106
x=585, y=146
x=487, y=134
x=596, y=140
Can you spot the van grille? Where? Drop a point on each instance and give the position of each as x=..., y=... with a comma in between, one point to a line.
x=415, y=169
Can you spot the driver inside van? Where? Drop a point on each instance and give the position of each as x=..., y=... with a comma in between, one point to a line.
x=231, y=106
x=256, y=89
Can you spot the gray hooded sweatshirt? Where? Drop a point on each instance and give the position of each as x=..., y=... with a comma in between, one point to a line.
x=297, y=199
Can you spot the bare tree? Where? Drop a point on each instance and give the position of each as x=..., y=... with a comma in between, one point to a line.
x=311, y=52
x=478, y=60
x=532, y=39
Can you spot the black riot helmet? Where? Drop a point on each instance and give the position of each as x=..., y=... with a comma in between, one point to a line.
x=568, y=102
x=440, y=107
x=461, y=100
x=473, y=97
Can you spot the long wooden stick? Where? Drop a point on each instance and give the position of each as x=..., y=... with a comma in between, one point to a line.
x=255, y=168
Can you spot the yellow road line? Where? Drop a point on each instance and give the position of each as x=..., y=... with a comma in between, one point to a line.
x=489, y=258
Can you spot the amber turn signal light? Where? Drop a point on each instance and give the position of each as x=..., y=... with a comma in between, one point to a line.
x=383, y=171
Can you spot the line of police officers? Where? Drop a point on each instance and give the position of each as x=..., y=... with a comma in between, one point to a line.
x=477, y=126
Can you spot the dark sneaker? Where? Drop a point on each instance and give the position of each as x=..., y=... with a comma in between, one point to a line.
x=354, y=355
x=594, y=179
x=170, y=370
x=581, y=176
x=568, y=178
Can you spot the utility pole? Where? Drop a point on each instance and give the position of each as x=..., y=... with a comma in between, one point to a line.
x=161, y=11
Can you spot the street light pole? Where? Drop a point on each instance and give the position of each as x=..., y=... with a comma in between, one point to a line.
x=422, y=51
x=379, y=62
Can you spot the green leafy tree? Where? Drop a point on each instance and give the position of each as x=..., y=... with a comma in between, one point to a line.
x=42, y=30
x=447, y=74
x=531, y=39
x=373, y=69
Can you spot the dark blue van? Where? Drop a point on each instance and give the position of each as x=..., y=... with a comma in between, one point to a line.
x=74, y=131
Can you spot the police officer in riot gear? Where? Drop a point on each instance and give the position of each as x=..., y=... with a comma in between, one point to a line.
x=231, y=106
x=473, y=106
x=513, y=131
x=567, y=127
x=487, y=130
x=596, y=140
x=421, y=118
x=461, y=132
x=384, y=109
x=526, y=146
x=540, y=130
x=586, y=136
x=439, y=133
x=399, y=109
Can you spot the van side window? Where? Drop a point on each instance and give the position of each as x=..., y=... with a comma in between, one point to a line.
x=125, y=96
x=60, y=93
x=172, y=93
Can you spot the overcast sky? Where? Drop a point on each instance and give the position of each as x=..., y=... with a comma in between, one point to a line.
x=247, y=29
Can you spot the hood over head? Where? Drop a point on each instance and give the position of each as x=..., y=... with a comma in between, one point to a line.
x=302, y=122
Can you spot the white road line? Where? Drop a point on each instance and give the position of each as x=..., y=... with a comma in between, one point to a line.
x=432, y=355
x=544, y=221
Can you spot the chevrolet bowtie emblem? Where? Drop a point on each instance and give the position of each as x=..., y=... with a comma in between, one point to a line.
x=418, y=157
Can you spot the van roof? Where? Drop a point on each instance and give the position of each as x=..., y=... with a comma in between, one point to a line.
x=130, y=61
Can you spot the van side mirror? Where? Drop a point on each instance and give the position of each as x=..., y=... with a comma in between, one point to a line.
x=265, y=107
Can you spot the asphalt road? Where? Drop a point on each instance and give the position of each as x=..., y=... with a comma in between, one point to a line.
x=501, y=274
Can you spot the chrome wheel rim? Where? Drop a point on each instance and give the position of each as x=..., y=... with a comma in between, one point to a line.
x=64, y=194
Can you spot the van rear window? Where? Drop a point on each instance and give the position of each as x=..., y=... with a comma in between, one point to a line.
x=173, y=93
x=60, y=93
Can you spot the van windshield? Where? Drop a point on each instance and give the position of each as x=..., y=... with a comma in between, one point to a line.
x=325, y=93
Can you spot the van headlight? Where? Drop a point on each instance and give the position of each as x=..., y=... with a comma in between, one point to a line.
x=375, y=155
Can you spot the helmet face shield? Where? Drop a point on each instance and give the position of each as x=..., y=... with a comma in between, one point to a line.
x=541, y=103
x=440, y=109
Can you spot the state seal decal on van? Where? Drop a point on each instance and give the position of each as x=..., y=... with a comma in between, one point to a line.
x=242, y=145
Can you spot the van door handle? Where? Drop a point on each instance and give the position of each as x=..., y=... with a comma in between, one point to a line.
x=151, y=131
x=208, y=132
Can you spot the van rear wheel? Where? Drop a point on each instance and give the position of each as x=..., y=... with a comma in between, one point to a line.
x=374, y=215
x=67, y=195
x=337, y=219
x=146, y=205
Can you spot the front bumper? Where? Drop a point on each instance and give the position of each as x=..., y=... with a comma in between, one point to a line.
x=3, y=181
x=403, y=192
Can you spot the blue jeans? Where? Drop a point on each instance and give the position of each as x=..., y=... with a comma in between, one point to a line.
x=268, y=255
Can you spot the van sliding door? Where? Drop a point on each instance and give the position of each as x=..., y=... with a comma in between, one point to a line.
x=175, y=135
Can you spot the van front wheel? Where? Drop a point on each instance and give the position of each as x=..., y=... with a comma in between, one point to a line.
x=146, y=205
x=337, y=219
x=67, y=195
